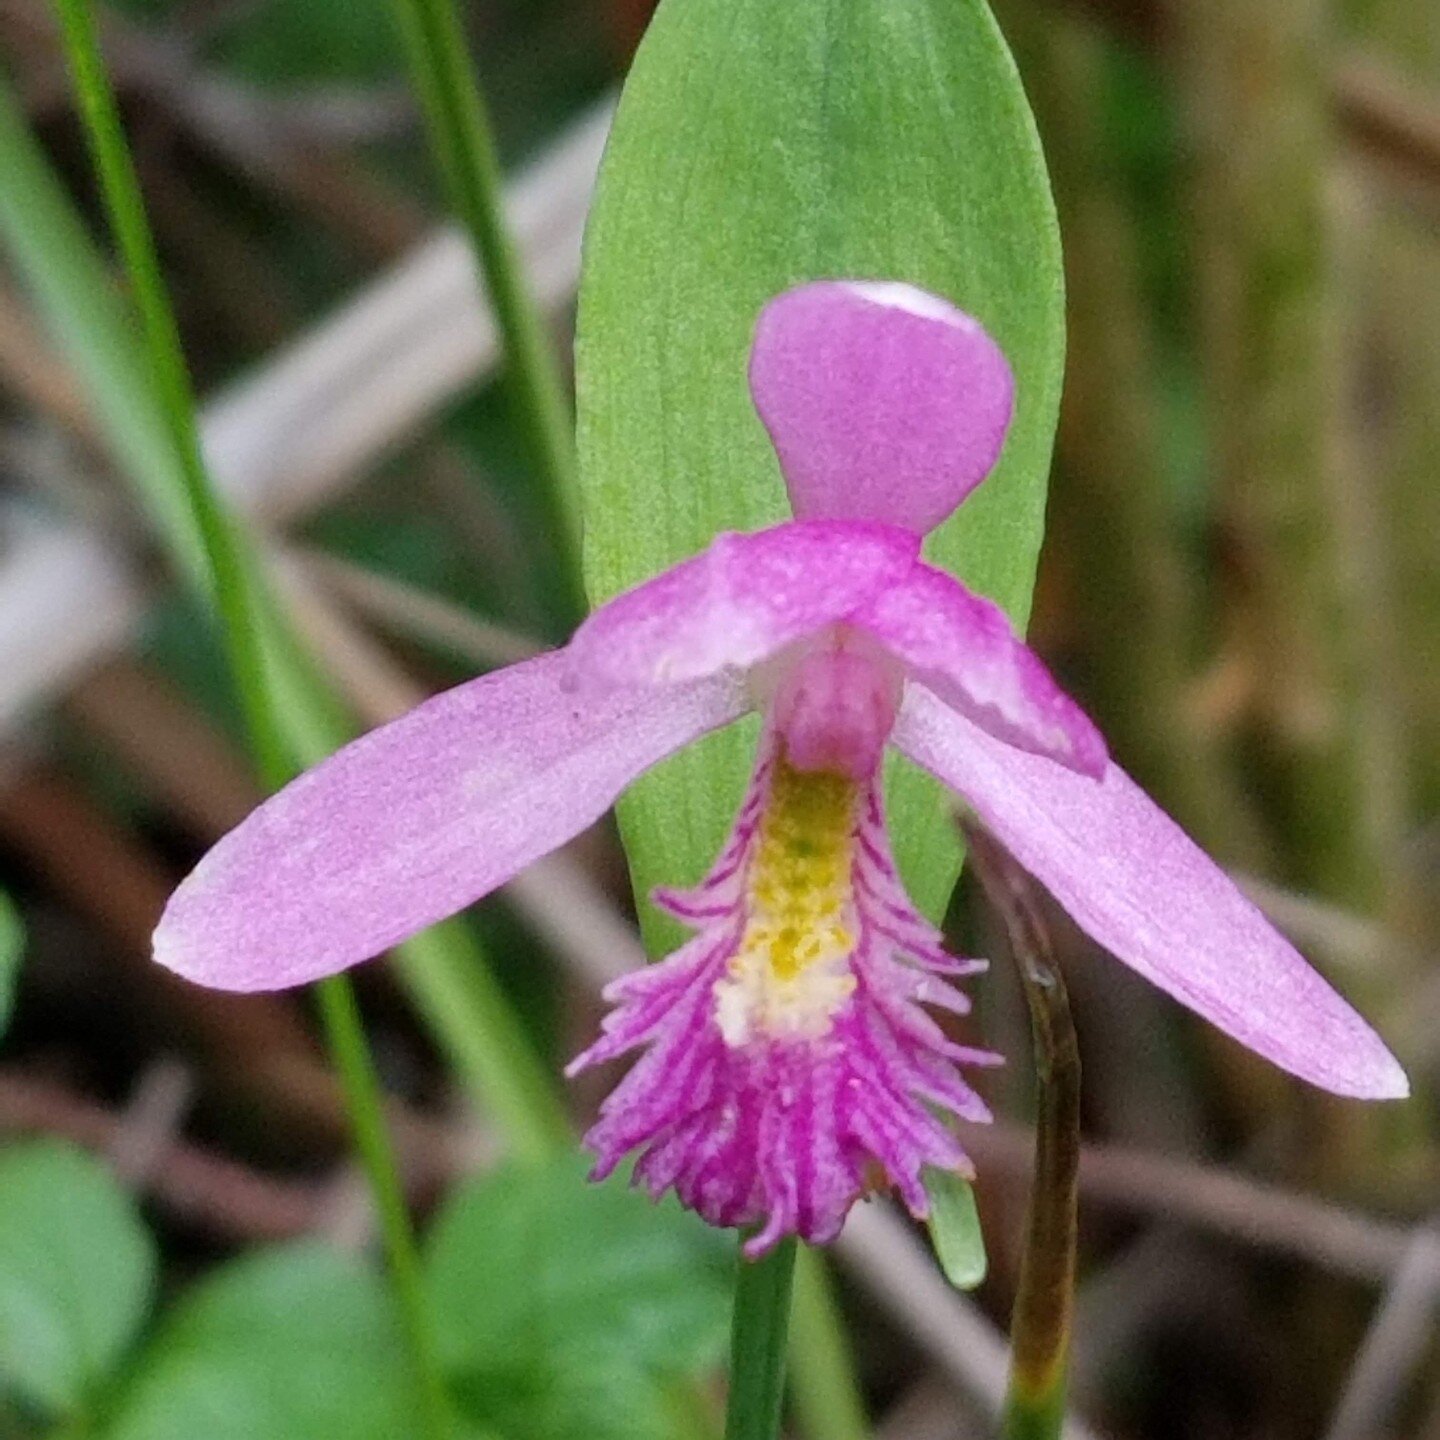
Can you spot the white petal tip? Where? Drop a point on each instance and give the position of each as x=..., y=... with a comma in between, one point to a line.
x=1391, y=1084
x=899, y=296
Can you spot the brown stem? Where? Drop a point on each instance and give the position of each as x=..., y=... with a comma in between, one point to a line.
x=1044, y=1301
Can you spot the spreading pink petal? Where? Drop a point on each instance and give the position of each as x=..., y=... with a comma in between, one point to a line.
x=883, y=402
x=418, y=819
x=1133, y=881
x=740, y=601
x=962, y=647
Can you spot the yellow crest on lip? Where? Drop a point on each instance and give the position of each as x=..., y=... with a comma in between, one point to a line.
x=791, y=970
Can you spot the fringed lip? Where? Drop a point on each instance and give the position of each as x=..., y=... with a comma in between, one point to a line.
x=786, y=1130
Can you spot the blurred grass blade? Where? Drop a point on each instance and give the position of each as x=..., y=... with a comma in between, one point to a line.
x=12, y=951
x=757, y=1344
x=1040, y=1325
x=447, y=976
x=954, y=1226
x=459, y=129
x=757, y=145
x=227, y=576
x=225, y=565
x=77, y=296
x=81, y=306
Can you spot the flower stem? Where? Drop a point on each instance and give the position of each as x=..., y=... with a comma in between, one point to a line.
x=826, y=1399
x=345, y=1031
x=1044, y=1300
x=757, y=1344
x=227, y=573
x=460, y=135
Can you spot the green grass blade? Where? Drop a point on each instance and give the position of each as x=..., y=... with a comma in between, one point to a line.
x=227, y=575
x=345, y=1033
x=12, y=951
x=446, y=976
x=225, y=564
x=459, y=128
x=77, y=296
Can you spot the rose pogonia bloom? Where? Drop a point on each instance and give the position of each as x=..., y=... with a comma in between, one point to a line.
x=788, y=1056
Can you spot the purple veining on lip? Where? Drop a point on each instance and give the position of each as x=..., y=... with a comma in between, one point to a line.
x=785, y=1132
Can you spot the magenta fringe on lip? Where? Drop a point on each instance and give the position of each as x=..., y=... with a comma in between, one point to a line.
x=788, y=1133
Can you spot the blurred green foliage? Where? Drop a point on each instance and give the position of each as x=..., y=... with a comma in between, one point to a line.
x=562, y=1308
x=77, y=1277
x=291, y=1343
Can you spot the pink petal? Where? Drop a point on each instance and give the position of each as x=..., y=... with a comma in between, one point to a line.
x=883, y=402
x=418, y=819
x=962, y=647
x=1133, y=881
x=744, y=598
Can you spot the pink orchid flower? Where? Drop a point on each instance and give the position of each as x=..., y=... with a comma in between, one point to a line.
x=788, y=1056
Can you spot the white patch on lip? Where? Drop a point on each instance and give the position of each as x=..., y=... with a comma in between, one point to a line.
x=899, y=296
x=751, y=1002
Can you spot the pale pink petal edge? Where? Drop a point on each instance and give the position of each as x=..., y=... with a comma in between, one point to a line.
x=416, y=820
x=1138, y=885
x=738, y=602
x=963, y=647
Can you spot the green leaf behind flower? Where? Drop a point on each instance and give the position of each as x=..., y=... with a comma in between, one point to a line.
x=758, y=145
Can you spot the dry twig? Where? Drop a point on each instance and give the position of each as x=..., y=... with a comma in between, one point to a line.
x=1393, y=1344
x=216, y=1196
x=1344, y=1241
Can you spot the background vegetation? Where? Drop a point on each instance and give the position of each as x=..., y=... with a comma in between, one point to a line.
x=1239, y=579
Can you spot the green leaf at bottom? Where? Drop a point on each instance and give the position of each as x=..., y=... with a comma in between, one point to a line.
x=77, y=1271
x=296, y=1343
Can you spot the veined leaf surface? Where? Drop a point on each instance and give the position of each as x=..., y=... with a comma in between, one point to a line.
x=758, y=145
